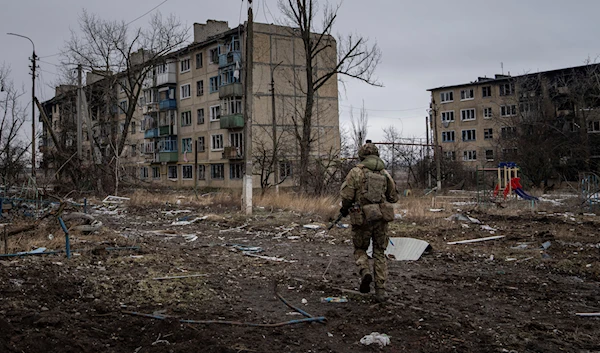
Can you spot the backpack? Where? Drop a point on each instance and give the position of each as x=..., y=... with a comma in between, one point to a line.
x=374, y=186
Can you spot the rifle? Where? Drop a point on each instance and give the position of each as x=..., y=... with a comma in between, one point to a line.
x=339, y=218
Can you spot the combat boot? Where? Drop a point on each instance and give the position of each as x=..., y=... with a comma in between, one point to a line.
x=365, y=282
x=380, y=295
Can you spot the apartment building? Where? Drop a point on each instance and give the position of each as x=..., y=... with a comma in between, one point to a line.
x=512, y=118
x=190, y=112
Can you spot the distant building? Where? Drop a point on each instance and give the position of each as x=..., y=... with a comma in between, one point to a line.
x=546, y=118
x=194, y=102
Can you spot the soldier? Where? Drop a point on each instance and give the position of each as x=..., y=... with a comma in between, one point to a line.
x=367, y=195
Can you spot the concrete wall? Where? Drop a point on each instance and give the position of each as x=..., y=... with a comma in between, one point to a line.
x=202, y=31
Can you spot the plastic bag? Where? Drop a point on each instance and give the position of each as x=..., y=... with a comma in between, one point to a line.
x=375, y=337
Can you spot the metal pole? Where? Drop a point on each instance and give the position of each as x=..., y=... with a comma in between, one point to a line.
x=427, y=132
x=33, y=67
x=275, y=157
x=436, y=153
x=67, y=242
x=5, y=241
x=247, y=185
x=79, y=114
x=196, y=175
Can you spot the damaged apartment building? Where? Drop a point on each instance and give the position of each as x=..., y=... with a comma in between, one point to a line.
x=188, y=126
x=545, y=121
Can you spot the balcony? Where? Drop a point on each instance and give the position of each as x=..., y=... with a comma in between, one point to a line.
x=233, y=121
x=231, y=90
x=150, y=108
x=148, y=148
x=230, y=58
x=151, y=133
x=167, y=146
x=165, y=130
x=166, y=78
x=167, y=156
x=168, y=104
x=232, y=152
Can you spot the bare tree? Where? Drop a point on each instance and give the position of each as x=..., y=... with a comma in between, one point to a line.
x=12, y=117
x=359, y=127
x=403, y=154
x=355, y=59
x=544, y=122
x=265, y=159
x=122, y=56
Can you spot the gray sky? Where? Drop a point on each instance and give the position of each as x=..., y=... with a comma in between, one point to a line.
x=425, y=44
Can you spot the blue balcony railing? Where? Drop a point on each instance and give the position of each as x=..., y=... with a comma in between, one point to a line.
x=151, y=133
x=167, y=104
x=230, y=58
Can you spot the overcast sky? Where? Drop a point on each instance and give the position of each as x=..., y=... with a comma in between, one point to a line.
x=425, y=44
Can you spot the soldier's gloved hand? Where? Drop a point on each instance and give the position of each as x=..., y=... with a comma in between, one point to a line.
x=344, y=211
x=346, y=205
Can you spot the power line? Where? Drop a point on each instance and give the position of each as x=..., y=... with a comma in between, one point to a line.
x=49, y=63
x=49, y=72
x=267, y=6
x=152, y=9
x=383, y=110
x=49, y=56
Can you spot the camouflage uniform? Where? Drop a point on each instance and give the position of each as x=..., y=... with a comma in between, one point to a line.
x=376, y=230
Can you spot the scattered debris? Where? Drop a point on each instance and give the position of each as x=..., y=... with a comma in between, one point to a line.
x=35, y=251
x=588, y=314
x=115, y=199
x=175, y=212
x=403, y=249
x=88, y=228
x=546, y=245
x=375, y=337
x=245, y=248
x=520, y=247
x=462, y=218
x=270, y=258
x=178, y=277
x=311, y=226
x=185, y=223
x=488, y=228
x=476, y=240
x=334, y=300
x=436, y=209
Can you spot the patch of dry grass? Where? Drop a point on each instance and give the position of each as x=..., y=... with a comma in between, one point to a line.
x=142, y=198
x=326, y=206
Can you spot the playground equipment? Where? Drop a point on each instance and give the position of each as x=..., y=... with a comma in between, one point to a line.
x=508, y=180
x=589, y=184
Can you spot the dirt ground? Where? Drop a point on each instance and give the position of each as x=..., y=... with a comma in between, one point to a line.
x=506, y=295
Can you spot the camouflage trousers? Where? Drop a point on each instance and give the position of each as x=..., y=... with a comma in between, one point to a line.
x=361, y=235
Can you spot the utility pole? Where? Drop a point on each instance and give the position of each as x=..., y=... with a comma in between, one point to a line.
x=436, y=153
x=195, y=174
x=33, y=67
x=275, y=142
x=247, y=185
x=79, y=114
x=428, y=160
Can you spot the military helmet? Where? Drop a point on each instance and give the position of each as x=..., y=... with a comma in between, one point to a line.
x=366, y=150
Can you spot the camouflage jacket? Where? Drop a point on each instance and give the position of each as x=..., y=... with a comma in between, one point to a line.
x=352, y=186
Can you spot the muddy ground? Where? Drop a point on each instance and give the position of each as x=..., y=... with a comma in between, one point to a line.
x=504, y=295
